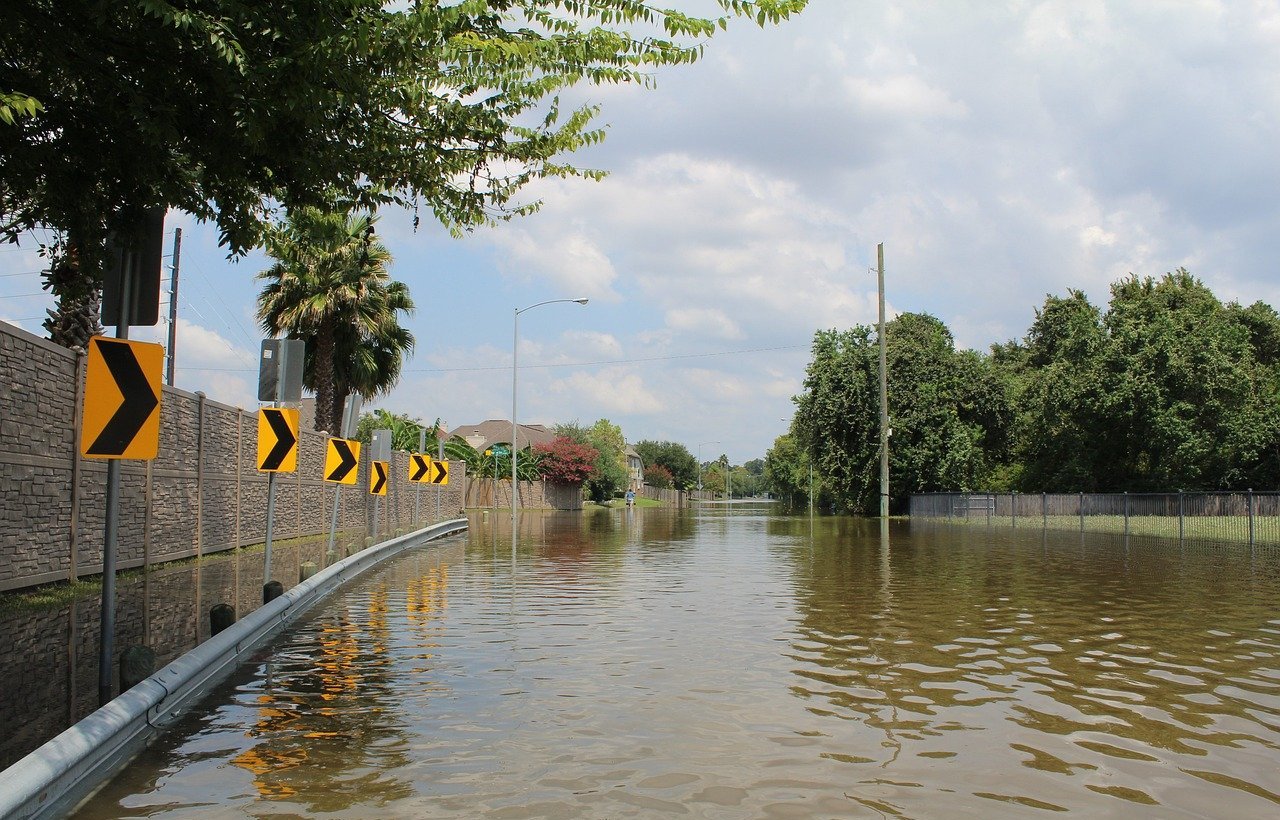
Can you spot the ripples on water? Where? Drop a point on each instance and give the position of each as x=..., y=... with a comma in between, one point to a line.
x=740, y=665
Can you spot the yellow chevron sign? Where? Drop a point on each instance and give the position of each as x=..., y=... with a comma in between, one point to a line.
x=342, y=461
x=378, y=471
x=277, y=439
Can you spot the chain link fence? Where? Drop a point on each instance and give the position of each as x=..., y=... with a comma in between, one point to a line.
x=1246, y=517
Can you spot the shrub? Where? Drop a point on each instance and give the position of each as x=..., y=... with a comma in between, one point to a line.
x=655, y=475
x=564, y=461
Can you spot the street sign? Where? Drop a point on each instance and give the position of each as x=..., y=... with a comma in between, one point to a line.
x=378, y=477
x=277, y=440
x=280, y=370
x=122, y=399
x=439, y=472
x=140, y=254
x=380, y=445
x=419, y=468
x=341, y=461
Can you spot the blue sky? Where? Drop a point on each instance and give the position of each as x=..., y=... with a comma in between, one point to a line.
x=1001, y=151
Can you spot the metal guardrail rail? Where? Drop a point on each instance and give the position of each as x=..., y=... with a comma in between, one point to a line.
x=54, y=778
x=1247, y=516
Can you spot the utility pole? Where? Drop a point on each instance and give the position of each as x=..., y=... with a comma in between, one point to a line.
x=884, y=394
x=173, y=306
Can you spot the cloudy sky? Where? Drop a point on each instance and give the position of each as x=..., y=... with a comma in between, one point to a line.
x=1000, y=151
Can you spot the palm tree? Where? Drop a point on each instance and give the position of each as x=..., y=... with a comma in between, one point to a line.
x=329, y=285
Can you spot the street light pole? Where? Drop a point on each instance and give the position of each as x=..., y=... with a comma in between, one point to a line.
x=515, y=370
x=700, y=462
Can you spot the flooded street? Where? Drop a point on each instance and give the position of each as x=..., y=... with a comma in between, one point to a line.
x=727, y=662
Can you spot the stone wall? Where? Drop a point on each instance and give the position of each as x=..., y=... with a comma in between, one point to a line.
x=202, y=494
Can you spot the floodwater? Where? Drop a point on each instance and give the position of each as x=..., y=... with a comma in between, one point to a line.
x=730, y=663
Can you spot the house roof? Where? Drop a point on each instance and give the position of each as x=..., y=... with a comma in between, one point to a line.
x=498, y=431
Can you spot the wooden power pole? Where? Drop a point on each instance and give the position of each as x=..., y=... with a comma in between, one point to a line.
x=884, y=394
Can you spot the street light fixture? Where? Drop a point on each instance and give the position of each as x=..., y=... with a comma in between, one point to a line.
x=515, y=370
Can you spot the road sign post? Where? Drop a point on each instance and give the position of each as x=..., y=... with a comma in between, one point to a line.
x=379, y=452
x=126, y=301
x=417, y=487
x=279, y=380
x=350, y=417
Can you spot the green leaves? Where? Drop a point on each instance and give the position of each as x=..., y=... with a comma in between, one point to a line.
x=15, y=104
x=231, y=111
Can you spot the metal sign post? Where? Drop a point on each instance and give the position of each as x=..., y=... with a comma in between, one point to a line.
x=379, y=450
x=133, y=302
x=279, y=380
x=417, y=487
x=440, y=457
x=350, y=417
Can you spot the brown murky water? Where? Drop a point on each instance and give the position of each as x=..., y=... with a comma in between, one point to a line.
x=729, y=663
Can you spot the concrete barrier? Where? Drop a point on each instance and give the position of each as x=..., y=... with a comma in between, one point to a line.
x=52, y=779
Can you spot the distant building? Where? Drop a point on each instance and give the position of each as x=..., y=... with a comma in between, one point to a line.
x=635, y=469
x=497, y=431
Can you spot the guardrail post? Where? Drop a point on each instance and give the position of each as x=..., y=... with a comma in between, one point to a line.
x=1126, y=513
x=1250, y=499
x=1180, y=516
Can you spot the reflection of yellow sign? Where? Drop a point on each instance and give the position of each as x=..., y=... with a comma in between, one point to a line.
x=439, y=472
x=341, y=461
x=378, y=477
x=277, y=440
x=122, y=399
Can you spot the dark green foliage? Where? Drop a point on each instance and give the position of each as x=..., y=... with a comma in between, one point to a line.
x=1167, y=389
x=676, y=458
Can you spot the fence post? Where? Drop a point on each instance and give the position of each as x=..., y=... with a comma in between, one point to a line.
x=1013, y=510
x=1126, y=512
x=1081, y=512
x=1044, y=511
x=1250, y=497
x=1180, y=516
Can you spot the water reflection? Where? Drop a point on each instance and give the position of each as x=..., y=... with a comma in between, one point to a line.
x=725, y=661
x=49, y=662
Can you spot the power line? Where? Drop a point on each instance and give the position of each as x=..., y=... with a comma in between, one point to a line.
x=607, y=361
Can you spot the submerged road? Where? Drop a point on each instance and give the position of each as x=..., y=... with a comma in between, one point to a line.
x=729, y=662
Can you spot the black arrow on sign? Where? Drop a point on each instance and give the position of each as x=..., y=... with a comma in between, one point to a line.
x=285, y=439
x=381, y=469
x=421, y=467
x=139, y=400
x=442, y=472
x=348, y=460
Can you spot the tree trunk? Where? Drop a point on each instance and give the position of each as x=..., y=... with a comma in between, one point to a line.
x=339, y=400
x=323, y=369
x=78, y=314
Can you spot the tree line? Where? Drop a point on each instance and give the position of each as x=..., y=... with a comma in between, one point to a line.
x=1167, y=388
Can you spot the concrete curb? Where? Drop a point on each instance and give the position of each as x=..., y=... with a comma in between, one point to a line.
x=53, y=778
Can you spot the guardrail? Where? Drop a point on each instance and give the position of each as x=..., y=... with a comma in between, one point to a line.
x=53, y=778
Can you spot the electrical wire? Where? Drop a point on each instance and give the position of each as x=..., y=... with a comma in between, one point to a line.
x=569, y=364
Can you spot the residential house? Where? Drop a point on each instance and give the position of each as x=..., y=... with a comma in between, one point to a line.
x=635, y=470
x=497, y=431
